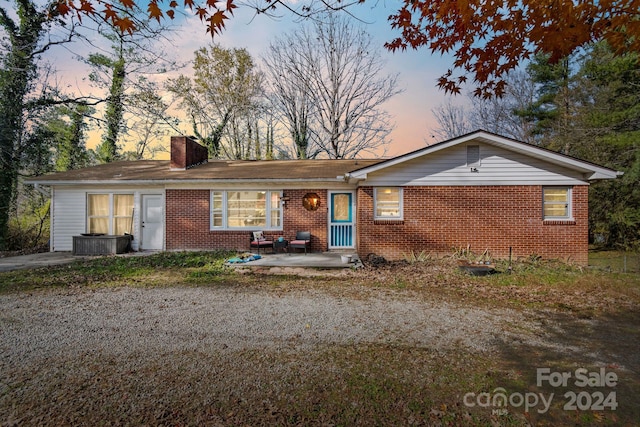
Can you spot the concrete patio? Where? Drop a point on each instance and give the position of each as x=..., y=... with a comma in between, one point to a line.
x=302, y=260
x=321, y=260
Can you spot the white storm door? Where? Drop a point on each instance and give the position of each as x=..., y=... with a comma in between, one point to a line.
x=152, y=222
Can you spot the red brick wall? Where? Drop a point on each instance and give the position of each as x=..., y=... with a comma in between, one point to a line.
x=297, y=218
x=439, y=219
x=188, y=222
x=186, y=153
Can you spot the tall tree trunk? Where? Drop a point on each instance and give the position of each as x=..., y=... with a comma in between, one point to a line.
x=269, y=143
x=257, y=145
x=114, y=113
x=16, y=74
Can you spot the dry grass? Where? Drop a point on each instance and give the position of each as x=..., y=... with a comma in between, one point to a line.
x=591, y=318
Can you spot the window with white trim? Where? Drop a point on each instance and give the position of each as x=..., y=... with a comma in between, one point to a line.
x=217, y=209
x=387, y=203
x=109, y=213
x=250, y=209
x=556, y=203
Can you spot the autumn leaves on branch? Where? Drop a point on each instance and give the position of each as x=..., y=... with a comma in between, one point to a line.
x=487, y=38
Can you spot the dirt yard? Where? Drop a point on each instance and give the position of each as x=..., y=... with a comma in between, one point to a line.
x=317, y=351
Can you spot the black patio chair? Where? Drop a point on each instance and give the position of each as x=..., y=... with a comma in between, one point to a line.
x=302, y=241
x=257, y=240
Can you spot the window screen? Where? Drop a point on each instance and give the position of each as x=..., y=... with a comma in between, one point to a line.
x=388, y=203
x=556, y=203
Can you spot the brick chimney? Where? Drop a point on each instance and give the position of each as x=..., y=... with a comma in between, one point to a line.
x=186, y=153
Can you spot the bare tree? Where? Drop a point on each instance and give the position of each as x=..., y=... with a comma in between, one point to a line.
x=220, y=98
x=327, y=82
x=501, y=115
x=498, y=115
x=119, y=70
x=291, y=101
x=453, y=120
x=150, y=123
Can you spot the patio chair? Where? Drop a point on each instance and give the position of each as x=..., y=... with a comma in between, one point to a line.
x=257, y=240
x=302, y=241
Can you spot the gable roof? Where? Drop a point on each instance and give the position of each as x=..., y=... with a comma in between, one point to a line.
x=591, y=171
x=158, y=171
x=316, y=170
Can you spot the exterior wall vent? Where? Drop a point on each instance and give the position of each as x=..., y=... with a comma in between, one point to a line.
x=473, y=156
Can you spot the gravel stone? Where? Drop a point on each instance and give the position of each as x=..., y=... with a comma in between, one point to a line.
x=143, y=321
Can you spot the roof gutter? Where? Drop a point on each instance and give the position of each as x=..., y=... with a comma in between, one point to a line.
x=181, y=181
x=351, y=179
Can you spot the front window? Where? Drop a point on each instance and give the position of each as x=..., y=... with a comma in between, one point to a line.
x=217, y=209
x=388, y=203
x=109, y=213
x=246, y=209
x=556, y=203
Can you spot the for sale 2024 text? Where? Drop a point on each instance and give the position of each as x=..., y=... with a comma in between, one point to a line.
x=593, y=398
x=594, y=393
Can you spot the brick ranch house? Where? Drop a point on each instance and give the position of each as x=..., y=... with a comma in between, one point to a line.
x=480, y=190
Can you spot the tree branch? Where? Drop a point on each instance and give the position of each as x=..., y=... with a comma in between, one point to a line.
x=51, y=102
x=7, y=23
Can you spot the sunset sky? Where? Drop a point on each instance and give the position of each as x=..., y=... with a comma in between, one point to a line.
x=418, y=70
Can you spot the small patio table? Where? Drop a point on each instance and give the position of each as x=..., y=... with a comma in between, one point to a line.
x=280, y=246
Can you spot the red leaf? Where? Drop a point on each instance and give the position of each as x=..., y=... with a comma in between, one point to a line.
x=110, y=14
x=129, y=4
x=87, y=8
x=125, y=25
x=216, y=22
x=154, y=11
x=231, y=6
x=63, y=8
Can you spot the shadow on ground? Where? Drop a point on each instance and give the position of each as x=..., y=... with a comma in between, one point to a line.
x=605, y=389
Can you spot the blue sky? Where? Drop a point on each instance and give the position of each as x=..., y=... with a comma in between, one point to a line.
x=417, y=70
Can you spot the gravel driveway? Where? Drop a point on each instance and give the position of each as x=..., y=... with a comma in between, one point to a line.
x=145, y=321
x=230, y=355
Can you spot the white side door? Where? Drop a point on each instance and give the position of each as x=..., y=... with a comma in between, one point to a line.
x=152, y=222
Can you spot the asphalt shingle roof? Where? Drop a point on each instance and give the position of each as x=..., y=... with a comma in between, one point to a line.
x=159, y=170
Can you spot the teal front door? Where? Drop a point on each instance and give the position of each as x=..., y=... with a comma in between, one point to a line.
x=341, y=220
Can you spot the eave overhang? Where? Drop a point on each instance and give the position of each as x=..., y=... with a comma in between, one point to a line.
x=590, y=171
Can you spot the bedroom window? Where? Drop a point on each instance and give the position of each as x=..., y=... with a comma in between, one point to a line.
x=556, y=203
x=387, y=203
x=246, y=209
x=109, y=213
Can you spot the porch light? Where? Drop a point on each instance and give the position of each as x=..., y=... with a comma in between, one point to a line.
x=311, y=201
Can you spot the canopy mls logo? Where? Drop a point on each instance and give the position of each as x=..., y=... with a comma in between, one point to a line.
x=585, y=400
x=499, y=401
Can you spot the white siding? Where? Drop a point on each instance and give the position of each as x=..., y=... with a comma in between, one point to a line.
x=69, y=217
x=69, y=213
x=497, y=167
